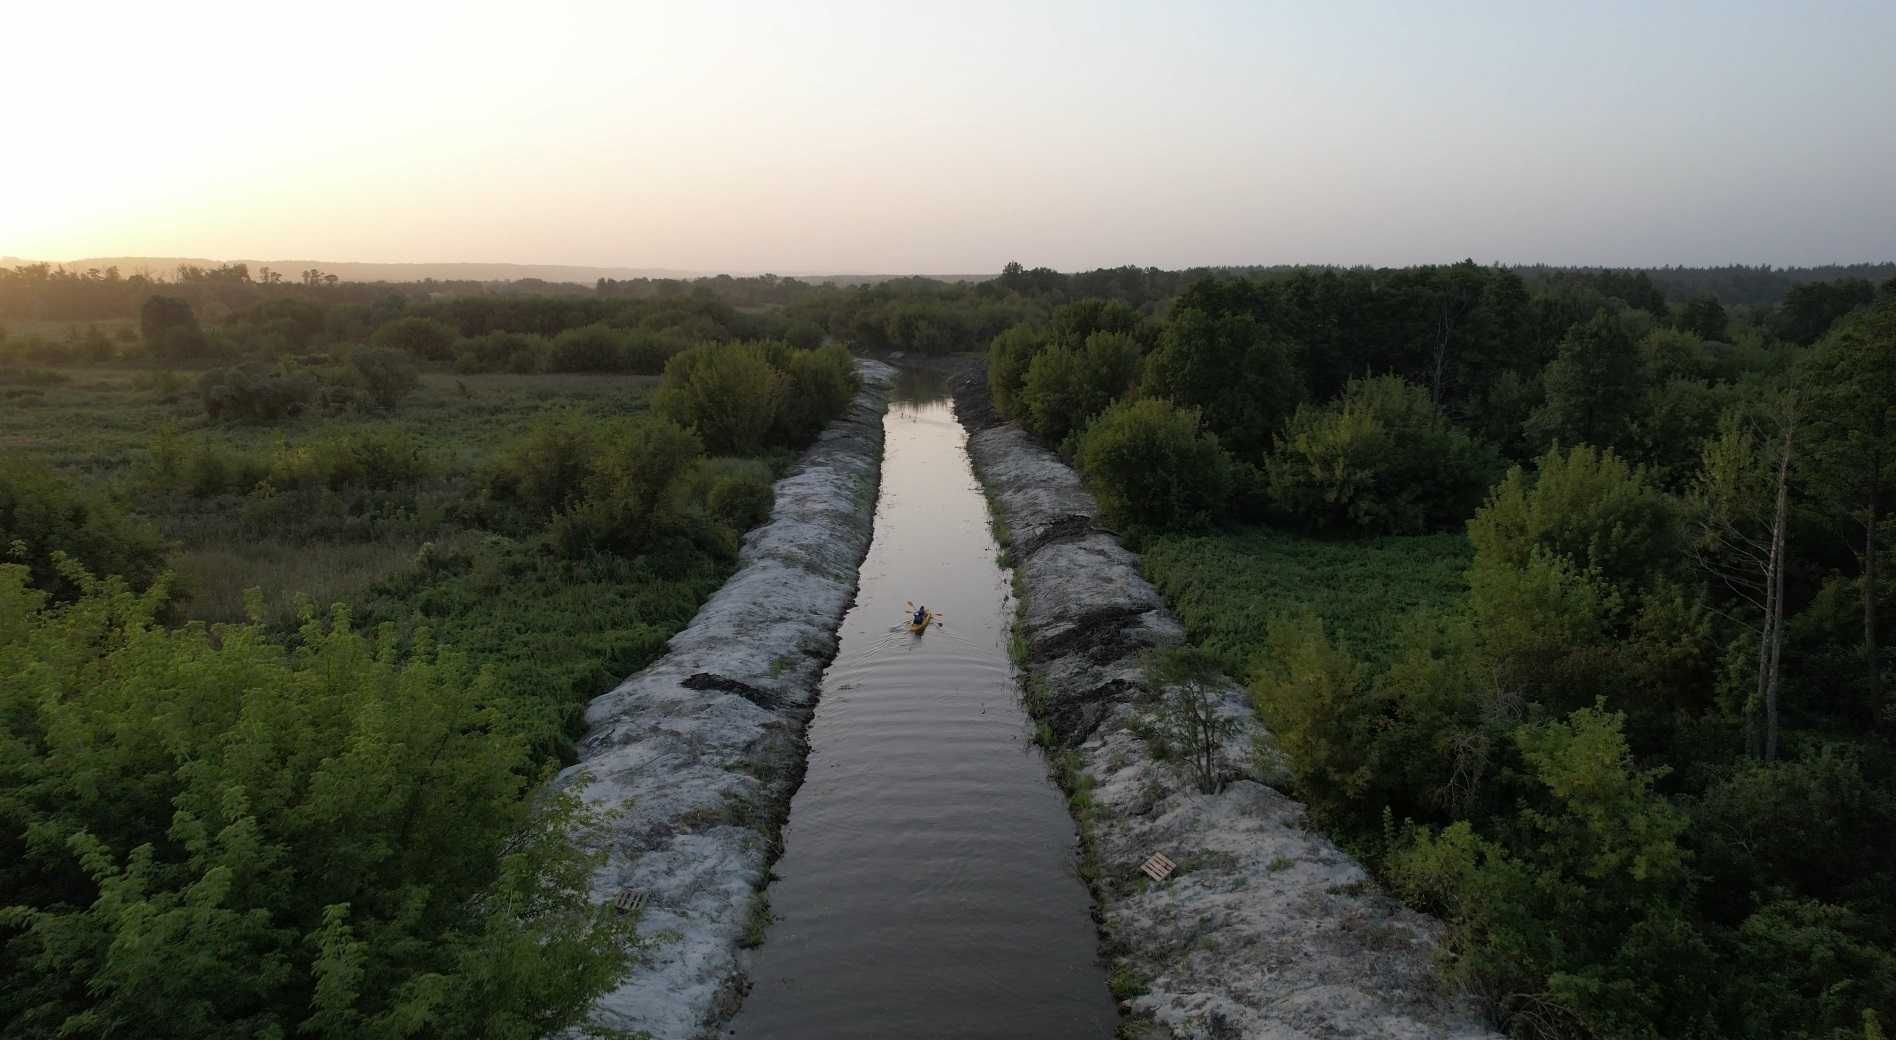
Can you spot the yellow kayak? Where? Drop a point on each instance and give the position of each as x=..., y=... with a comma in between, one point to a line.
x=929, y=618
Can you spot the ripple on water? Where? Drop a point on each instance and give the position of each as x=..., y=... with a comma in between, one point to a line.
x=928, y=884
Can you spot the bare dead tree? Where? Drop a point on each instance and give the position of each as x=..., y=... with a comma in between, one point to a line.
x=1742, y=501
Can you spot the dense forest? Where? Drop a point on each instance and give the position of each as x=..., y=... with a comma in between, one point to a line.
x=1625, y=720
x=1642, y=756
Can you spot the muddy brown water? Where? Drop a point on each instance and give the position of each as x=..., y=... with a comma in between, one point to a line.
x=928, y=886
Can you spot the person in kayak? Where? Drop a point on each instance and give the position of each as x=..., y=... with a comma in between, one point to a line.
x=921, y=617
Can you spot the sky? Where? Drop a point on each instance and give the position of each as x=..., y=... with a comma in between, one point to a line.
x=947, y=137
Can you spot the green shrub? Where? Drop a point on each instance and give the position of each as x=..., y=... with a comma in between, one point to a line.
x=547, y=469
x=1322, y=711
x=378, y=459
x=1152, y=468
x=1581, y=924
x=1379, y=459
x=42, y=517
x=253, y=393
x=234, y=839
x=170, y=329
x=647, y=351
x=500, y=352
x=427, y=338
x=1191, y=717
x=590, y=348
x=1066, y=386
x=735, y=493
x=818, y=386
x=1545, y=627
x=728, y=392
x=804, y=333
x=741, y=502
x=1009, y=356
x=1585, y=505
x=386, y=376
x=201, y=467
x=641, y=460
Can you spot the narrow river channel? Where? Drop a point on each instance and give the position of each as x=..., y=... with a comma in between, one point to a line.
x=927, y=886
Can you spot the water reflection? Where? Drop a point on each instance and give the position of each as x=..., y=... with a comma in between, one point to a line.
x=918, y=386
x=927, y=887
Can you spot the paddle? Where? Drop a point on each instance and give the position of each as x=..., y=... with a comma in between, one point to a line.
x=908, y=610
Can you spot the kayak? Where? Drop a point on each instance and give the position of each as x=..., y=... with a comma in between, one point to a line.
x=927, y=620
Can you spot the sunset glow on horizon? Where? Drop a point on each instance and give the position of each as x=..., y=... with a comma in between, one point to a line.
x=953, y=138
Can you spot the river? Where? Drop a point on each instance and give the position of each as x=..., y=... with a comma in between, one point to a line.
x=928, y=884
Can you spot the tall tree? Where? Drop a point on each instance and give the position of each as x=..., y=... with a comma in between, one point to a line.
x=1230, y=367
x=1594, y=387
x=1704, y=316
x=1850, y=378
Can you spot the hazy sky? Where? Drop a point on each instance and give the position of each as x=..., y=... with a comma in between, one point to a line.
x=951, y=137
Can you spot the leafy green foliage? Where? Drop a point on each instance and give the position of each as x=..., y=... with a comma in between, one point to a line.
x=252, y=393
x=223, y=837
x=1229, y=587
x=1379, y=459
x=590, y=348
x=818, y=386
x=629, y=484
x=386, y=376
x=1809, y=310
x=1242, y=378
x=731, y=394
x=500, y=351
x=1152, y=467
x=44, y=519
x=170, y=328
x=1009, y=356
x=1586, y=506
x=1563, y=931
x=1594, y=387
x=427, y=338
x=1191, y=712
x=741, y=396
x=1066, y=386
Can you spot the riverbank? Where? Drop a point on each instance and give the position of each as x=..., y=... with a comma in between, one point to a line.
x=699, y=753
x=926, y=887
x=1265, y=928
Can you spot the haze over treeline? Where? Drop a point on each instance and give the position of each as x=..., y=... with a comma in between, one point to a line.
x=949, y=138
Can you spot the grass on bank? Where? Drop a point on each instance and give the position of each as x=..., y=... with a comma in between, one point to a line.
x=1227, y=587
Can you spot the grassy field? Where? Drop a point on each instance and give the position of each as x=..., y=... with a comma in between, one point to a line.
x=1228, y=587
x=100, y=421
x=101, y=426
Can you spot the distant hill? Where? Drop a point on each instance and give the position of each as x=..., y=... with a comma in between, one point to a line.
x=165, y=267
x=356, y=271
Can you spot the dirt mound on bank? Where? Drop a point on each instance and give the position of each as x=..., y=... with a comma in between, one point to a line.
x=699, y=753
x=1266, y=929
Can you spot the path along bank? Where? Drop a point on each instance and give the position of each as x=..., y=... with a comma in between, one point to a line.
x=1265, y=929
x=699, y=753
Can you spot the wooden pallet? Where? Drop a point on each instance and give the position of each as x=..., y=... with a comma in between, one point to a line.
x=629, y=901
x=1158, y=868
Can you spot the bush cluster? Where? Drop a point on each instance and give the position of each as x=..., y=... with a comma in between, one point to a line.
x=740, y=397
x=622, y=486
x=1379, y=459
x=48, y=526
